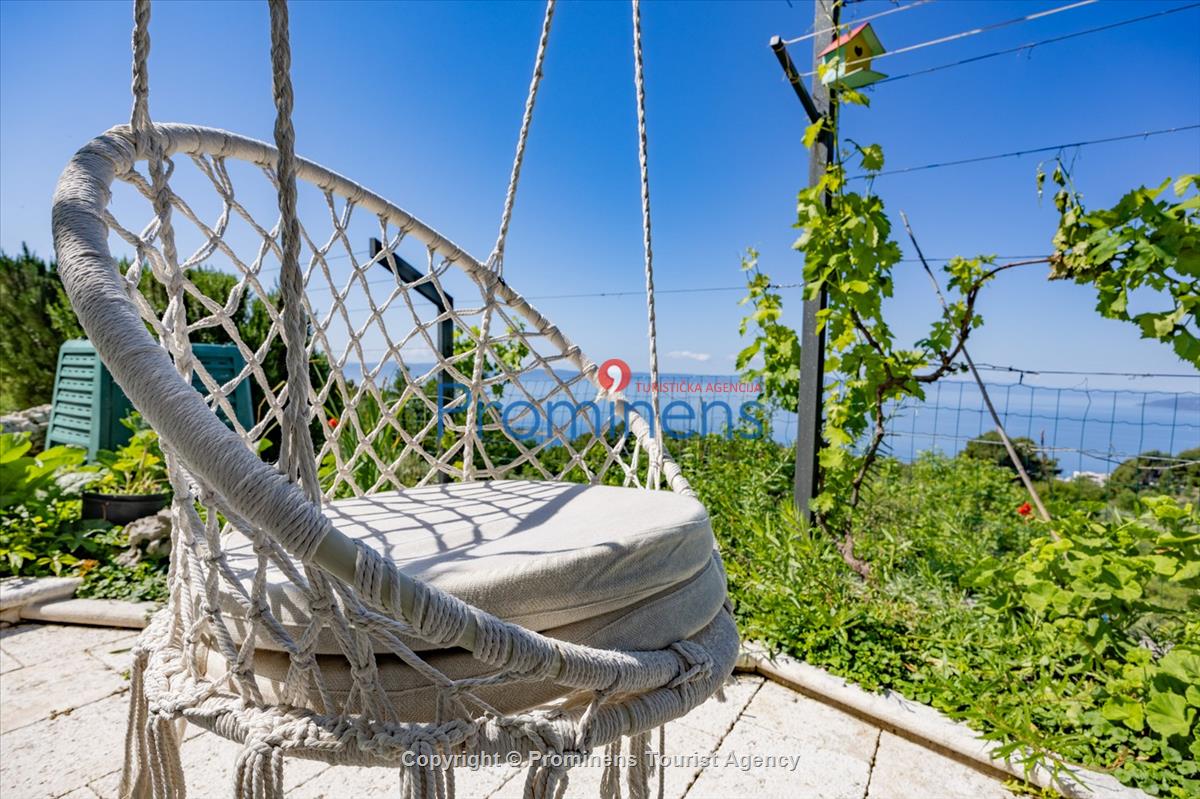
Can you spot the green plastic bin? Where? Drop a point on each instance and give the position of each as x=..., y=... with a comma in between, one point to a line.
x=88, y=405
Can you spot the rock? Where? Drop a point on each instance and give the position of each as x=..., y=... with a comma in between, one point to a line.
x=34, y=421
x=16, y=592
x=152, y=531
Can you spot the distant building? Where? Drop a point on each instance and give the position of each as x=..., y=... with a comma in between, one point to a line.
x=1096, y=477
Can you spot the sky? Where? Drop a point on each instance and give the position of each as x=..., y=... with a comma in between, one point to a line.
x=421, y=102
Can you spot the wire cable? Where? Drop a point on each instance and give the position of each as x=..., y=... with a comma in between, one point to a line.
x=1041, y=43
x=1016, y=153
x=858, y=21
x=972, y=32
x=996, y=368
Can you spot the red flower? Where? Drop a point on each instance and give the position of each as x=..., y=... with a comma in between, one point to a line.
x=333, y=422
x=1025, y=509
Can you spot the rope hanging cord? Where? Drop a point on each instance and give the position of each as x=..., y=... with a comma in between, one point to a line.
x=146, y=138
x=640, y=84
x=297, y=458
x=496, y=260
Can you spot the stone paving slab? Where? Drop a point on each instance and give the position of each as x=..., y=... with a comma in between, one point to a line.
x=905, y=770
x=38, y=643
x=717, y=718
x=378, y=783
x=116, y=654
x=788, y=745
x=38, y=692
x=8, y=662
x=63, y=703
x=56, y=756
x=687, y=749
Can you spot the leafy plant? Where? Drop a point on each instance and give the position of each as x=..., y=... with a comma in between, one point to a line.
x=930, y=625
x=989, y=447
x=1112, y=605
x=135, y=468
x=1145, y=244
x=40, y=531
x=38, y=319
x=776, y=344
x=849, y=256
x=145, y=581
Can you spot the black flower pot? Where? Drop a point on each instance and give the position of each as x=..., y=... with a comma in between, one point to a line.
x=121, y=508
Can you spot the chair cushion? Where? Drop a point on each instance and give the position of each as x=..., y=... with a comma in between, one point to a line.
x=539, y=554
x=675, y=614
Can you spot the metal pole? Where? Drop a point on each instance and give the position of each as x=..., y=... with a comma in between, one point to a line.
x=407, y=273
x=812, y=341
x=1008, y=446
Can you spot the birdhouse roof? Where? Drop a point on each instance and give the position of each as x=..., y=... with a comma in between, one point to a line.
x=865, y=30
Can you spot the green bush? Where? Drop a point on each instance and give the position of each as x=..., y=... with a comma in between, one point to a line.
x=1108, y=608
x=1044, y=646
x=38, y=319
x=41, y=532
x=145, y=581
x=40, y=529
x=990, y=447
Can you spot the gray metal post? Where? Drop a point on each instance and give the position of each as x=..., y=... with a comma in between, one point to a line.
x=812, y=341
x=408, y=273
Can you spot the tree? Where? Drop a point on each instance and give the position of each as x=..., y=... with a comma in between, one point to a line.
x=38, y=320
x=989, y=447
x=1158, y=470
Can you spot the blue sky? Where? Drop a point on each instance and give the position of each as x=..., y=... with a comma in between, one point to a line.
x=421, y=102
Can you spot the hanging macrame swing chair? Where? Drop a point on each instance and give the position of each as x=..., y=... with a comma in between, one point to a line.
x=399, y=593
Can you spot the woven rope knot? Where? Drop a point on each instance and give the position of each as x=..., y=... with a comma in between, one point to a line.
x=303, y=660
x=696, y=663
x=363, y=673
x=258, y=609
x=320, y=604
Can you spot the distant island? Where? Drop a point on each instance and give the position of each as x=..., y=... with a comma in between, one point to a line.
x=1182, y=402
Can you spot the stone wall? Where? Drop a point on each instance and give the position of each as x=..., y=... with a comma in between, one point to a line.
x=31, y=420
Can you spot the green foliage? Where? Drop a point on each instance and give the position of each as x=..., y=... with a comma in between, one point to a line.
x=774, y=342
x=138, y=467
x=1159, y=471
x=1113, y=607
x=990, y=447
x=1145, y=244
x=503, y=354
x=40, y=530
x=974, y=610
x=849, y=254
x=145, y=581
x=38, y=319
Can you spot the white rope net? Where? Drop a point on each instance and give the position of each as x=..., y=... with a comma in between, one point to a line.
x=391, y=407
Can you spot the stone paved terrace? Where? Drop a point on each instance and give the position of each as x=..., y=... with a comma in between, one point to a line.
x=63, y=692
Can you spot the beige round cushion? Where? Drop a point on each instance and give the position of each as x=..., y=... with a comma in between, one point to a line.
x=543, y=555
x=677, y=613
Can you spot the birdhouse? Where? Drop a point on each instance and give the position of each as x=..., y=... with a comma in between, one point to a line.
x=846, y=63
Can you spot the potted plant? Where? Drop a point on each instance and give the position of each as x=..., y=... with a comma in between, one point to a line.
x=133, y=482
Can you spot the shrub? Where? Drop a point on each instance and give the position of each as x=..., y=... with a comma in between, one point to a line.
x=40, y=530
x=990, y=447
x=38, y=320
x=1107, y=609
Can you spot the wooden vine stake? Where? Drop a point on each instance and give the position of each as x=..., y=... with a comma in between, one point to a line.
x=987, y=400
